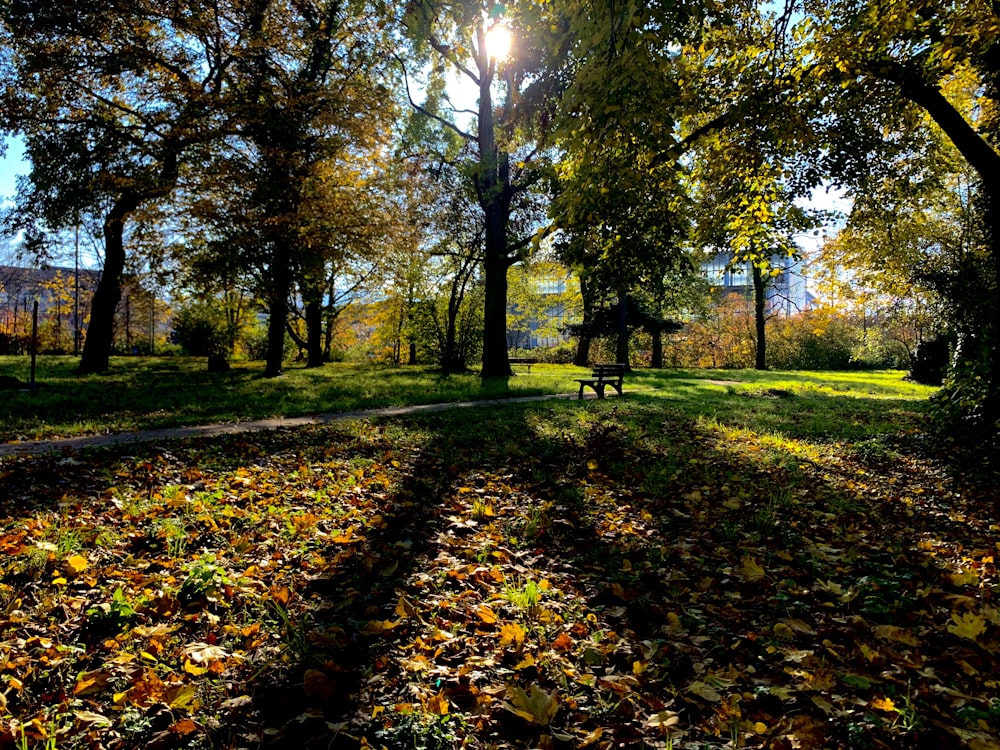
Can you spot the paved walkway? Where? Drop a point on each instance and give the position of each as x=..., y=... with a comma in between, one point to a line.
x=36, y=447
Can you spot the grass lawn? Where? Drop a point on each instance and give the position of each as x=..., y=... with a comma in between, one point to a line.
x=151, y=392
x=717, y=560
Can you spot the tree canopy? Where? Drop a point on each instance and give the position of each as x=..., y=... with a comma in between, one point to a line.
x=269, y=139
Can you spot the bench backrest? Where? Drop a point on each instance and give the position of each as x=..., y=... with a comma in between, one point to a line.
x=616, y=370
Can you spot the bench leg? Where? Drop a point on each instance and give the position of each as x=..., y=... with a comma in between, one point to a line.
x=600, y=390
x=580, y=396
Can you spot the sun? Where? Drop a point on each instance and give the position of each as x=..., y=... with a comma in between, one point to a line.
x=498, y=42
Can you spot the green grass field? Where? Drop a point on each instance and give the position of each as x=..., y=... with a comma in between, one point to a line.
x=141, y=392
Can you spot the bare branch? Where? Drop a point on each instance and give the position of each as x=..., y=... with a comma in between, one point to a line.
x=426, y=112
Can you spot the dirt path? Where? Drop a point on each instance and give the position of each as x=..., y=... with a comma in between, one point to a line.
x=74, y=444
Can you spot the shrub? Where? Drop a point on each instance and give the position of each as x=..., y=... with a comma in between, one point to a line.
x=202, y=330
x=813, y=340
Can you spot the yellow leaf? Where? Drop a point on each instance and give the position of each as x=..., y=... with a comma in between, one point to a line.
x=437, y=705
x=969, y=625
x=967, y=578
x=91, y=682
x=486, y=614
x=536, y=707
x=526, y=662
x=760, y=727
x=751, y=570
x=781, y=630
x=897, y=634
x=76, y=564
x=191, y=668
x=377, y=710
x=376, y=627
x=512, y=634
x=869, y=653
x=883, y=704
x=182, y=697
x=405, y=608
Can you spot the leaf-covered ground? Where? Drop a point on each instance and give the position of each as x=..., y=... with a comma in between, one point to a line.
x=606, y=575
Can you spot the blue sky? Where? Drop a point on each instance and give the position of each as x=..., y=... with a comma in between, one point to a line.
x=10, y=166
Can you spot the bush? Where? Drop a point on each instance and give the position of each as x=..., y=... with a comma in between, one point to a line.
x=561, y=354
x=813, y=340
x=202, y=330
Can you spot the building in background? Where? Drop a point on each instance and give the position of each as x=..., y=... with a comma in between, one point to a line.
x=787, y=293
x=63, y=297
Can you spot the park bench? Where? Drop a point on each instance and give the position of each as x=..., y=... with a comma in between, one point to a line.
x=527, y=361
x=602, y=376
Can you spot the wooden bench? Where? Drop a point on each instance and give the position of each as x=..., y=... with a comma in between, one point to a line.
x=527, y=361
x=602, y=376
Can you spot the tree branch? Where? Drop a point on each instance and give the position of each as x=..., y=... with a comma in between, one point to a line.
x=426, y=112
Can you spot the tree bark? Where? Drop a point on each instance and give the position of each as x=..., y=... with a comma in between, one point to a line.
x=314, y=333
x=96, y=354
x=494, y=193
x=621, y=340
x=656, y=359
x=760, y=318
x=582, y=357
x=281, y=285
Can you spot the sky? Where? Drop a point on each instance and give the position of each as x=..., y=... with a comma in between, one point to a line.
x=11, y=165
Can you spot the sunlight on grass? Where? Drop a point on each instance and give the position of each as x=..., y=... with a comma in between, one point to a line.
x=156, y=392
x=774, y=447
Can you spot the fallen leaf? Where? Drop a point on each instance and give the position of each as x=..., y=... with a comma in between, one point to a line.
x=751, y=570
x=512, y=634
x=317, y=684
x=437, y=705
x=76, y=564
x=563, y=643
x=663, y=719
x=486, y=614
x=89, y=717
x=968, y=625
x=883, y=704
x=535, y=707
x=704, y=690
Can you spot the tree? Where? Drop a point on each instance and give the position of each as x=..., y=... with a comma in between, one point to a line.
x=627, y=121
x=109, y=99
x=506, y=135
x=892, y=54
x=310, y=90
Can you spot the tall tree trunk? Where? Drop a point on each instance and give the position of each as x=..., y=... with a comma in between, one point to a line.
x=493, y=191
x=656, y=360
x=281, y=285
x=992, y=406
x=760, y=318
x=100, y=331
x=314, y=333
x=621, y=324
x=582, y=357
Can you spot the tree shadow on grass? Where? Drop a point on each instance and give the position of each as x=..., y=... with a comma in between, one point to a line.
x=687, y=571
x=739, y=591
x=759, y=591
